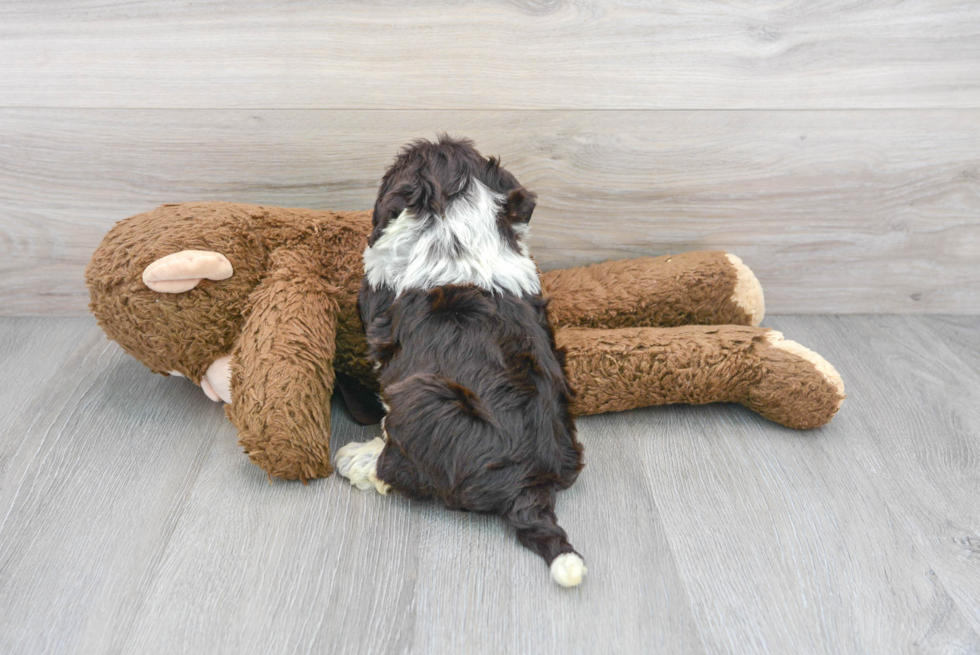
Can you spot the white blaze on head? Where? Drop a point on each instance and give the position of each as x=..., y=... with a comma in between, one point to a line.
x=463, y=247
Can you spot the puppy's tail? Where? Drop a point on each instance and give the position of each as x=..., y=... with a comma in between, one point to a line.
x=533, y=516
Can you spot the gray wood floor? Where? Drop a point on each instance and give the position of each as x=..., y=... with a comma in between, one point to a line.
x=130, y=521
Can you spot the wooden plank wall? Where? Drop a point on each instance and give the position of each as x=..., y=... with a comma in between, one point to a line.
x=834, y=145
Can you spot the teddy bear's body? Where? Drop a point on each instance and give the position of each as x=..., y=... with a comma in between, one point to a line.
x=260, y=302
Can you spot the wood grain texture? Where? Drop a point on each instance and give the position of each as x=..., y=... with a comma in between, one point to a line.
x=522, y=54
x=640, y=605
x=131, y=522
x=919, y=413
x=94, y=475
x=812, y=507
x=850, y=211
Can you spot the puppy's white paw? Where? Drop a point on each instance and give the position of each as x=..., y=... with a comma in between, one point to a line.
x=568, y=570
x=358, y=462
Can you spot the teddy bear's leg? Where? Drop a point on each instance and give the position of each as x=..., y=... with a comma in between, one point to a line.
x=614, y=370
x=693, y=288
x=282, y=369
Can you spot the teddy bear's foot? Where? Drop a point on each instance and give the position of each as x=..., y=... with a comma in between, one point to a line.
x=747, y=294
x=182, y=271
x=358, y=462
x=616, y=370
x=798, y=388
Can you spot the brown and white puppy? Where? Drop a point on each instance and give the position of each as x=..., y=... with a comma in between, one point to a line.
x=475, y=389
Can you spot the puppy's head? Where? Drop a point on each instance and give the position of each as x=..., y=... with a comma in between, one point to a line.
x=427, y=180
x=446, y=215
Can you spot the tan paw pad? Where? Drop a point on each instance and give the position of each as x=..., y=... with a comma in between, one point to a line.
x=748, y=294
x=825, y=368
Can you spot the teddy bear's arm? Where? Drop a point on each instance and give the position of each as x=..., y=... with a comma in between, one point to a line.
x=702, y=288
x=615, y=370
x=282, y=405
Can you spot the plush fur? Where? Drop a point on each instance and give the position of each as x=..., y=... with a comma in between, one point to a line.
x=478, y=403
x=689, y=322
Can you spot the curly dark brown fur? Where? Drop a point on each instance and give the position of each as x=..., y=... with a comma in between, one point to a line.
x=478, y=401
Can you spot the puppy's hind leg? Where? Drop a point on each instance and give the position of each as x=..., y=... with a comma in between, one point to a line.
x=403, y=476
x=358, y=462
x=533, y=515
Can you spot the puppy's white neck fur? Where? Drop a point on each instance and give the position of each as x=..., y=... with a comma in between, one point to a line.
x=462, y=247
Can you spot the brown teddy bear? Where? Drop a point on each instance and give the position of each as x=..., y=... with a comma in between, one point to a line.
x=257, y=305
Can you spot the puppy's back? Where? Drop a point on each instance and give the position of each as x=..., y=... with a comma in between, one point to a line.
x=476, y=375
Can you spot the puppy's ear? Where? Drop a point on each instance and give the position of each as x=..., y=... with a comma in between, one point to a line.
x=520, y=205
x=425, y=195
x=386, y=209
x=375, y=235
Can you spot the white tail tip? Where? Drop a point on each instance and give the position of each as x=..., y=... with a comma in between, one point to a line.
x=568, y=570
